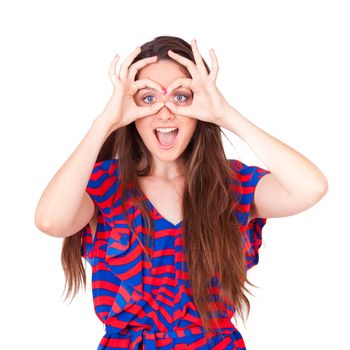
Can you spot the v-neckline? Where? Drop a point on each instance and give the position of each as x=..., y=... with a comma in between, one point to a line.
x=158, y=213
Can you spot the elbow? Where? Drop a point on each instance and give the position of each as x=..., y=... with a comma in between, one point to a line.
x=322, y=187
x=319, y=192
x=46, y=227
x=44, y=222
x=53, y=228
x=39, y=222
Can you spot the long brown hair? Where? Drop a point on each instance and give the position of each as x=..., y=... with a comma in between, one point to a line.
x=213, y=241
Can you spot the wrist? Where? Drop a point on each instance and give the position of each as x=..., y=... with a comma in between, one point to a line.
x=103, y=125
x=226, y=118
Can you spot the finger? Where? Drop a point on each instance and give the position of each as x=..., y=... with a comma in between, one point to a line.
x=143, y=83
x=181, y=110
x=149, y=110
x=140, y=64
x=198, y=58
x=111, y=71
x=184, y=61
x=214, y=67
x=185, y=82
x=123, y=72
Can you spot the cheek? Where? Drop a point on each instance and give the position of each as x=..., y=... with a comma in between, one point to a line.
x=193, y=126
x=140, y=127
x=188, y=131
x=193, y=129
x=143, y=127
x=137, y=126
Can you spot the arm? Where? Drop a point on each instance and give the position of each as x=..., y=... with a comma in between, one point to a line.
x=65, y=206
x=59, y=210
x=294, y=184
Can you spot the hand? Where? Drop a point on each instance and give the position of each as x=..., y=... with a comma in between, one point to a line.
x=208, y=103
x=121, y=108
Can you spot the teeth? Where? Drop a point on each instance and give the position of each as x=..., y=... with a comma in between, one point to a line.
x=166, y=129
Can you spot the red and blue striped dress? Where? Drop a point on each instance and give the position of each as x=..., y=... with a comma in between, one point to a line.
x=147, y=304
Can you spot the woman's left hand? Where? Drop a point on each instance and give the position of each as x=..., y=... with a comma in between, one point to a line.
x=208, y=103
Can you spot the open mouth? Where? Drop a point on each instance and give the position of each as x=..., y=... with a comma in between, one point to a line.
x=167, y=137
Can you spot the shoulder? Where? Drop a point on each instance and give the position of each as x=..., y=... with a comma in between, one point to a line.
x=103, y=181
x=102, y=171
x=248, y=175
x=106, y=166
x=243, y=169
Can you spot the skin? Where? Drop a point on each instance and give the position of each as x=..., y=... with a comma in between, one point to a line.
x=166, y=164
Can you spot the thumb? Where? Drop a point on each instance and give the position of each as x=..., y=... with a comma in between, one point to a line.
x=156, y=107
x=172, y=107
x=152, y=109
x=178, y=109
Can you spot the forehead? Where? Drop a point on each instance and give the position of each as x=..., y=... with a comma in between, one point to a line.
x=163, y=72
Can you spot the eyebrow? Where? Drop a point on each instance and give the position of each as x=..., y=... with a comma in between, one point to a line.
x=150, y=88
x=145, y=89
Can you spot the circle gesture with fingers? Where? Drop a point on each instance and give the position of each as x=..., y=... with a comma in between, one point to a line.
x=121, y=108
x=208, y=103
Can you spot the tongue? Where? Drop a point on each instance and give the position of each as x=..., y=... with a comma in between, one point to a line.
x=166, y=138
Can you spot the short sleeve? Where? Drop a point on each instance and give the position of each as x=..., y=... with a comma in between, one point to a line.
x=101, y=187
x=249, y=176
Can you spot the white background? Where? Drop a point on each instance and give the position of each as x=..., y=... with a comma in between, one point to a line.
x=283, y=64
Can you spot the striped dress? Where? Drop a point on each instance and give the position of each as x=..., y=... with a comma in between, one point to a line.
x=147, y=304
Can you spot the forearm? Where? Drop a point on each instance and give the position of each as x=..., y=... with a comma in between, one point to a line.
x=298, y=175
x=60, y=201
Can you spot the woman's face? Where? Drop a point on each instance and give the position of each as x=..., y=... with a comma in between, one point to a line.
x=164, y=73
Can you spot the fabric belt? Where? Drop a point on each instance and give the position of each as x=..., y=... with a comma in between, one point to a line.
x=148, y=337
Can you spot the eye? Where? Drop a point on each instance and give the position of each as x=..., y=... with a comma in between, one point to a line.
x=146, y=98
x=182, y=96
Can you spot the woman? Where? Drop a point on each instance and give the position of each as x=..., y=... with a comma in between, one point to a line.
x=168, y=224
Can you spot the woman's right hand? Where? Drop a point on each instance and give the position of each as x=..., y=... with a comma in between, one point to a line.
x=121, y=108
